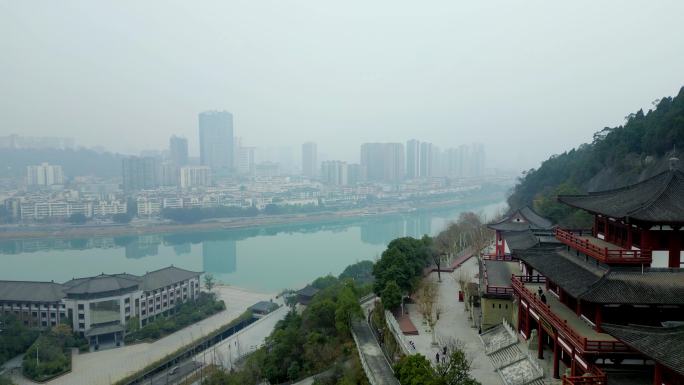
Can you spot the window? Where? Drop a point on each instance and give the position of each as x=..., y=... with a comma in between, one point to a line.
x=127, y=300
x=81, y=325
x=81, y=316
x=81, y=306
x=499, y=306
x=493, y=306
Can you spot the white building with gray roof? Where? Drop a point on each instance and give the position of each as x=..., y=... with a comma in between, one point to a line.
x=99, y=307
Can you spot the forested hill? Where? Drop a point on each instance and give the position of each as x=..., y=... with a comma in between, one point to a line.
x=617, y=156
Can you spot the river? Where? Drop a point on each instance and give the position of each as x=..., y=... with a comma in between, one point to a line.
x=265, y=259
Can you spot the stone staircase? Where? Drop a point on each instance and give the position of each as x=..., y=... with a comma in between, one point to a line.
x=515, y=367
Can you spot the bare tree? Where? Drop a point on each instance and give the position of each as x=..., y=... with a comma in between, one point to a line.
x=427, y=298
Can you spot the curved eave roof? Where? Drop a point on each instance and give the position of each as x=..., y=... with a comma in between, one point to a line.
x=658, y=199
x=533, y=221
x=664, y=345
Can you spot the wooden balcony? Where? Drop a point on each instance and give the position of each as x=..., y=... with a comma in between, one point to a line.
x=603, y=251
x=567, y=324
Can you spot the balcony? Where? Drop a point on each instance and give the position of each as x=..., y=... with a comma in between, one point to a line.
x=603, y=251
x=566, y=323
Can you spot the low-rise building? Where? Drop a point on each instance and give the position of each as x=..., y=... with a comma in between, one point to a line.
x=100, y=307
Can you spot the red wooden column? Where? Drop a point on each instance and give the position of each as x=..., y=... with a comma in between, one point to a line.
x=675, y=248
x=556, y=357
x=527, y=322
x=658, y=375
x=520, y=307
x=540, y=345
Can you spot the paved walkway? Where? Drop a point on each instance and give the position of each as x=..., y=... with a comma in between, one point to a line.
x=377, y=368
x=453, y=325
x=108, y=366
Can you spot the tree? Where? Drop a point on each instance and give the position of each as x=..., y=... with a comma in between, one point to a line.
x=209, y=282
x=122, y=218
x=427, y=298
x=455, y=370
x=348, y=308
x=77, y=219
x=391, y=296
x=415, y=370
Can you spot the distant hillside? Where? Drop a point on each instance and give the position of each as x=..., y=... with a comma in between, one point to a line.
x=76, y=162
x=617, y=156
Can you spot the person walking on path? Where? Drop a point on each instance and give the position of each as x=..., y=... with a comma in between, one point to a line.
x=437, y=358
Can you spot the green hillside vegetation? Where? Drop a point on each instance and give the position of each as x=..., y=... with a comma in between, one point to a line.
x=316, y=340
x=617, y=156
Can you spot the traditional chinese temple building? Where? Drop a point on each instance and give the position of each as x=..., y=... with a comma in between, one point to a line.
x=586, y=297
x=522, y=221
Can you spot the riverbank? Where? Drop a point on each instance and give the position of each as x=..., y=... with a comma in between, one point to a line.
x=65, y=231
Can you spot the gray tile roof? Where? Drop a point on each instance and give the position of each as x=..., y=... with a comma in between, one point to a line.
x=166, y=277
x=532, y=220
x=308, y=291
x=102, y=283
x=653, y=286
x=664, y=345
x=264, y=307
x=554, y=263
x=520, y=240
x=657, y=199
x=23, y=291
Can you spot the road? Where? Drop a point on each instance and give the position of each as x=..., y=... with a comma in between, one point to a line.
x=166, y=377
x=107, y=366
x=377, y=368
x=242, y=343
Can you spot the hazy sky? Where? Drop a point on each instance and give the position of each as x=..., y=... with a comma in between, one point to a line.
x=528, y=78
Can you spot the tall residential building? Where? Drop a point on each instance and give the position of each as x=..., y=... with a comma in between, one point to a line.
x=413, y=159
x=355, y=174
x=478, y=159
x=178, y=151
x=245, y=164
x=426, y=160
x=216, y=140
x=309, y=159
x=334, y=172
x=140, y=173
x=44, y=174
x=195, y=176
x=384, y=162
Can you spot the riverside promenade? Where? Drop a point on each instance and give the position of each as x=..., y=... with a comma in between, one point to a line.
x=108, y=366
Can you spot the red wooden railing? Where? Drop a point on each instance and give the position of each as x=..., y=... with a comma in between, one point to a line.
x=494, y=257
x=582, y=344
x=604, y=254
x=596, y=377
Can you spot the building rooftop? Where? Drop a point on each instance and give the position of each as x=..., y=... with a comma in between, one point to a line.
x=103, y=283
x=663, y=344
x=521, y=240
x=657, y=199
x=557, y=265
x=652, y=286
x=520, y=220
x=308, y=291
x=165, y=277
x=23, y=291
x=598, y=284
x=263, y=307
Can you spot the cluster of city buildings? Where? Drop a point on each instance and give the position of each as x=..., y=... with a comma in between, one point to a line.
x=604, y=305
x=100, y=307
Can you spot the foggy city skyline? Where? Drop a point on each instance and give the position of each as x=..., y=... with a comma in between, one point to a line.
x=338, y=75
